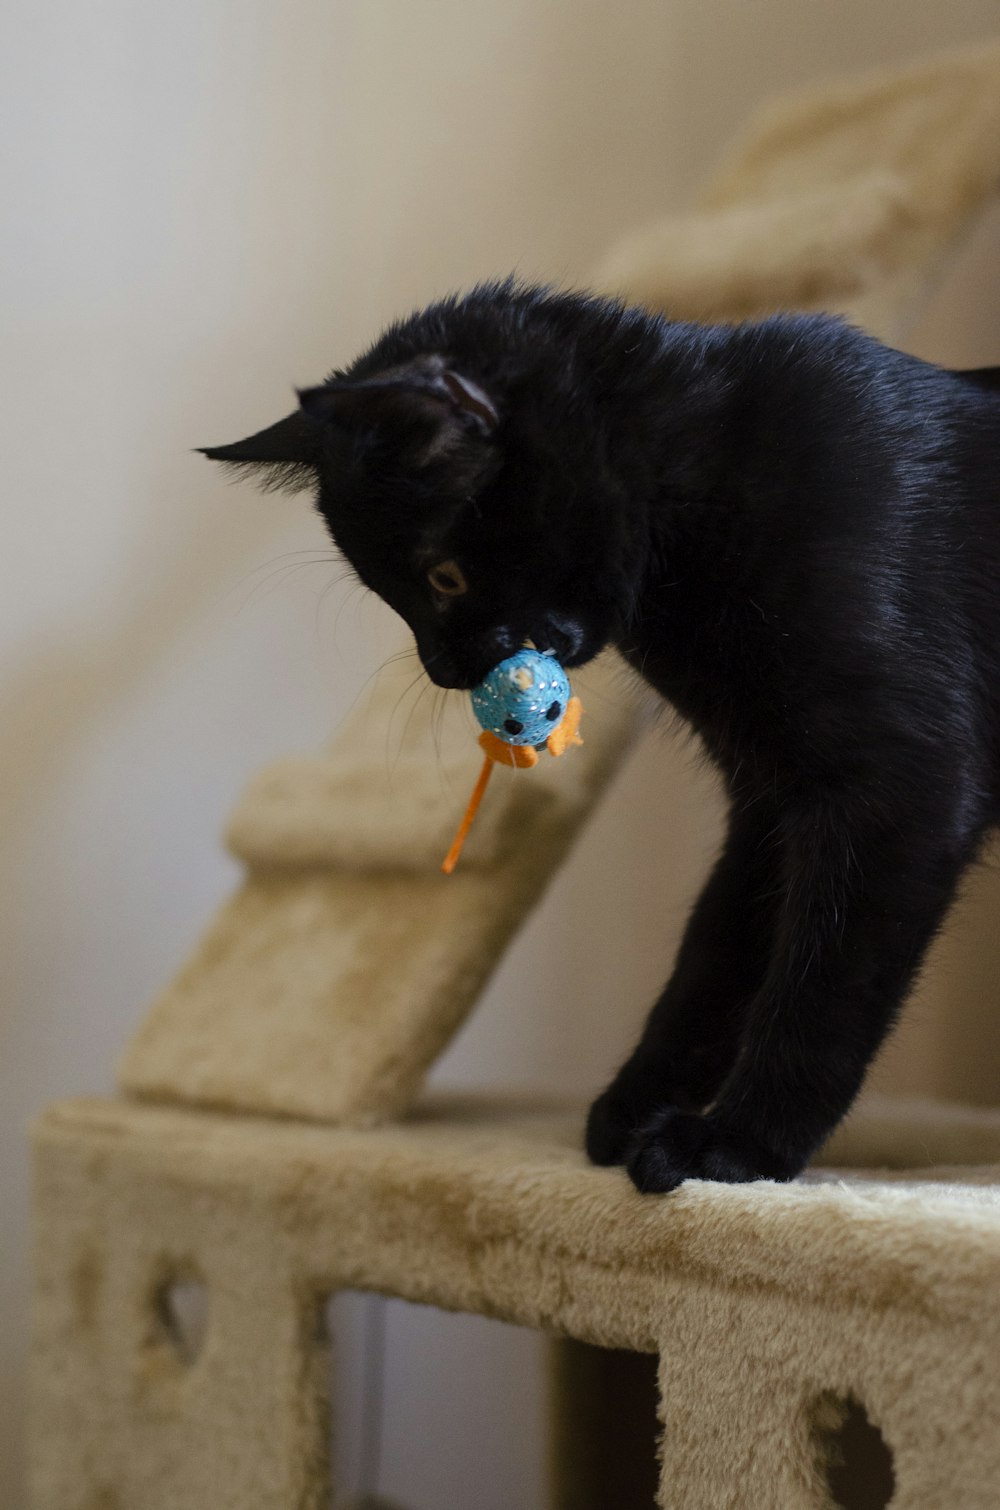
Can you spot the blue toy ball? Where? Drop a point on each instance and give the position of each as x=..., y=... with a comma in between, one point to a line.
x=524, y=705
x=523, y=698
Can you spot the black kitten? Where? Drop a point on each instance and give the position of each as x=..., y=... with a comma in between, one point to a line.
x=793, y=533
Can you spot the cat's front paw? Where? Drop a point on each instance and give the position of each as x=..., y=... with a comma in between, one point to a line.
x=677, y=1146
x=611, y=1128
x=632, y=1103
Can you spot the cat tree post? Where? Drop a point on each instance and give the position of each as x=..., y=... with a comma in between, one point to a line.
x=128, y=1413
x=767, y=1304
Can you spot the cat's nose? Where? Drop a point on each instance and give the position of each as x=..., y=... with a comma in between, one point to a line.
x=497, y=645
x=480, y=653
x=562, y=636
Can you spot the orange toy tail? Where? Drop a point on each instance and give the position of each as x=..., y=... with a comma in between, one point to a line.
x=521, y=757
x=451, y=858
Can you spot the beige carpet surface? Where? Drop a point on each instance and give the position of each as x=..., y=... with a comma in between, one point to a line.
x=768, y=1304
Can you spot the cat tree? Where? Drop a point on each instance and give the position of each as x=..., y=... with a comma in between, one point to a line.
x=269, y=1141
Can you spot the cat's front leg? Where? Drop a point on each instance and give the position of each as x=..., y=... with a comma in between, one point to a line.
x=692, y=1036
x=864, y=890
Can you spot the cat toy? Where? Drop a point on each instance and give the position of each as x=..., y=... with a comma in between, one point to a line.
x=523, y=705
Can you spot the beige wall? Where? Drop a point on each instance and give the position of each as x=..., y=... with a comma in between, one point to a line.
x=206, y=203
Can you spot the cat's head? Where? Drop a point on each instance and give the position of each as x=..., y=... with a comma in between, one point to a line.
x=462, y=479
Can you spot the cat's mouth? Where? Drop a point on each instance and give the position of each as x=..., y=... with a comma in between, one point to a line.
x=446, y=669
x=464, y=665
x=443, y=674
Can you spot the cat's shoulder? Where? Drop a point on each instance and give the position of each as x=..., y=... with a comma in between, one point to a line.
x=792, y=360
x=803, y=339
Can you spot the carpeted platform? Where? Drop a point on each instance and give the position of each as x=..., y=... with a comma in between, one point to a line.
x=766, y=1303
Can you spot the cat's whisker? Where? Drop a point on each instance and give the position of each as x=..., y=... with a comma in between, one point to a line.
x=308, y=555
x=441, y=704
x=390, y=761
x=352, y=596
x=275, y=577
x=398, y=657
x=435, y=724
x=351, y=593
x=298, y=557
x=402, y=739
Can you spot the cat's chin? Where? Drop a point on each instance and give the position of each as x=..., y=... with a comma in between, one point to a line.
x=445, y=669
x=455, y=678
x=454, y=684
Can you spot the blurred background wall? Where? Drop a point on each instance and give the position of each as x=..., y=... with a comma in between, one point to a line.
x=204, y=204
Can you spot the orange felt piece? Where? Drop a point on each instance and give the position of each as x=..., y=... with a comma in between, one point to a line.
x=522, y=757
x=566, y=734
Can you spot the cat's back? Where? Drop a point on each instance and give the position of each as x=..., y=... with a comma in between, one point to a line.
x=868, y=430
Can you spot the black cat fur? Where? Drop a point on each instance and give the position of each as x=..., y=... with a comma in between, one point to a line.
x=792, y=532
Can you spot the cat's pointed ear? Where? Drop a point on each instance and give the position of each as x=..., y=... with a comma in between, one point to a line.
x=426, y=405
x=284, y=456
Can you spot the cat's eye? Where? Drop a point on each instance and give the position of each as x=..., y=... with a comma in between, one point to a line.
x=448, y=579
